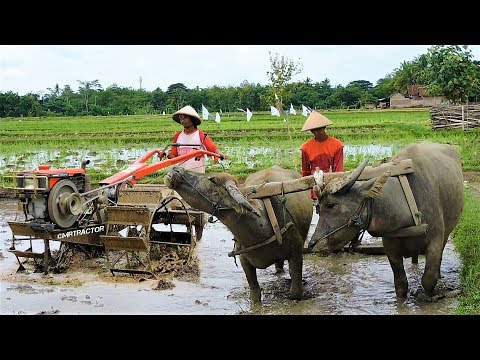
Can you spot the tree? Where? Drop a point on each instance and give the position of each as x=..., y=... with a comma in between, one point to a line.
x=452, y=72
x=67, y=93
x=384, y=87
x=85, y=88
x=159, y=99
x=407, y=74
x=365, y=85
x=176, y=86
x=177, y=93
x=282, y=71
x=349, y=96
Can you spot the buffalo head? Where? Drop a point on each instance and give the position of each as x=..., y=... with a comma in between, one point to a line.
x=343, y=210
x=208, y=193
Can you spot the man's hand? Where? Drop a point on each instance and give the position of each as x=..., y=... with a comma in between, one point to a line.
x=221, y=156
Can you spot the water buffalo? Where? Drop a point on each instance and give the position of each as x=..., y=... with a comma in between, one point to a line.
x=382, y=209
x=249, y=221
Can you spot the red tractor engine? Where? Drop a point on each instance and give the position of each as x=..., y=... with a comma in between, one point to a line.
x=44, y=194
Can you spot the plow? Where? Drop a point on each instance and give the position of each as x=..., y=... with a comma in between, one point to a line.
x=131, y=222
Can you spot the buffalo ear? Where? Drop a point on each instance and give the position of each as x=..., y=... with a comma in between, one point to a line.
x=377, y=186
x=213, y=179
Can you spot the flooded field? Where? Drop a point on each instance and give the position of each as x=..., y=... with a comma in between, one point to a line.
x=117, y=159
x=339, y=284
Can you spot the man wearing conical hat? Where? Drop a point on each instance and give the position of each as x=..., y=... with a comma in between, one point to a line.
x=191, y=138
x=322, y=151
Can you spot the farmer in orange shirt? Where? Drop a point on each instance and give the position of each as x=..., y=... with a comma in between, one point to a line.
x=322, y=151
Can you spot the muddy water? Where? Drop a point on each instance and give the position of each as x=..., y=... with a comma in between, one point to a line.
x=339, y=284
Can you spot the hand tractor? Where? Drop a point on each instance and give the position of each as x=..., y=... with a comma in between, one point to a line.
x=119, y=215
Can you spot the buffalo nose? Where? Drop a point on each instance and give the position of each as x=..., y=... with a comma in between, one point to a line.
x=311, y=244
x=167, y=180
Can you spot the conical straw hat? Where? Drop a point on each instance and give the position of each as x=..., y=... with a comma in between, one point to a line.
x=190, y=111
x=315, y=120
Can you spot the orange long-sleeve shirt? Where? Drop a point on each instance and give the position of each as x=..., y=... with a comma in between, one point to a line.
x=326, y=155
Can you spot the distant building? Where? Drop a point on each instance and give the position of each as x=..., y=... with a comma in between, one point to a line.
x=384, y=103
x=416, y=97
x=416, y=92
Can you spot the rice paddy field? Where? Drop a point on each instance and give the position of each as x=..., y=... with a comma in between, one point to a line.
x=112, y=143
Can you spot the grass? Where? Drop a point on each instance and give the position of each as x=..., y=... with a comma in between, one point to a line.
x=65, y=142
x=466, y=239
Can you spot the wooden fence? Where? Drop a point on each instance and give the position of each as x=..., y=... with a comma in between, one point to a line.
x=455, y=116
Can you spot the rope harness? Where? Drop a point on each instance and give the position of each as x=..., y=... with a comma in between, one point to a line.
x=367, y=204
x=216, y=206
x=356, y=220
x=271, y=214
x=273, y=221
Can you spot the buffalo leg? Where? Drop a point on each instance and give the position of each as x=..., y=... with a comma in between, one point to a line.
x=415, y=259
x=198, y=232
x=431, y=274
x=295, y=263
x=251, y=274
x=279, y=267
x=399, y=276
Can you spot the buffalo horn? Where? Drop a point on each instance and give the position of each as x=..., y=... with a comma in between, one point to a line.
x=353, y=177
x=238, y=196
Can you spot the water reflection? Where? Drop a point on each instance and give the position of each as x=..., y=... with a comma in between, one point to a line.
x=117, y=159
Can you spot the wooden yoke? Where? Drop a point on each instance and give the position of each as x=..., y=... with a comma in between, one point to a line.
x=307, y=182
x=273, y=219
x=267, y=190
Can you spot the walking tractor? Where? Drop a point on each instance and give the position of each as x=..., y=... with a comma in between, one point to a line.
x=120, y=215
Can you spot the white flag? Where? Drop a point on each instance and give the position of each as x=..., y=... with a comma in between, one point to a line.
x=249, y=114
x=163, y=113
x=205, y=113
x=305, y=111
x=274, y=111
x=292, y=110
x=217, y=117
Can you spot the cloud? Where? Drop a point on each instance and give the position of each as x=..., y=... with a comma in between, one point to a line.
x=33, y=68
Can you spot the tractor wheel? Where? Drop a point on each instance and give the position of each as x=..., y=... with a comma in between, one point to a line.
x=58, y=209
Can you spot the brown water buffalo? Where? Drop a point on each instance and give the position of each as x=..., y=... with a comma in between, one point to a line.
x=379, y=205
x=249, y=221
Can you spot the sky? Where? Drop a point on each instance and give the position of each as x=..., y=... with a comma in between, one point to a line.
x=35, y=68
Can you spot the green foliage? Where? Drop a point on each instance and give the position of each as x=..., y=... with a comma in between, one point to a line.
x=452, y=72
x=384, y=87
x=349, y=96
x=85, y=89
x=364, y=85
x=465, y=238
x=409, y=73
x=177, y=86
